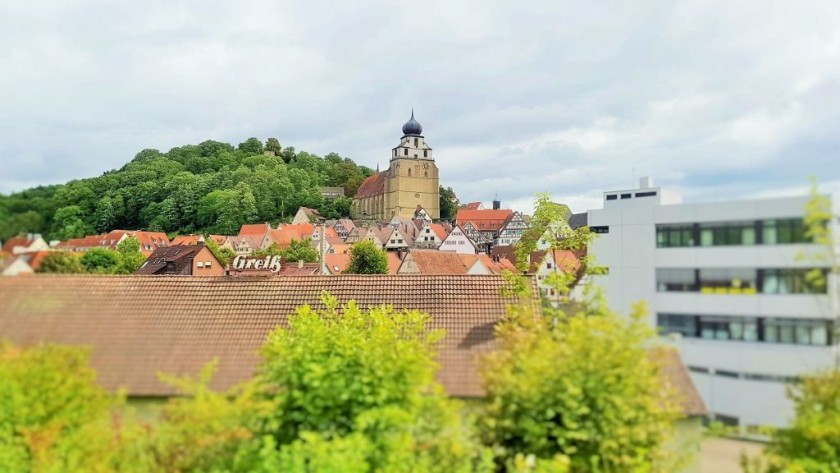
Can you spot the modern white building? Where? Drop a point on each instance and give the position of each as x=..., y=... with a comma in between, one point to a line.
x=726, y=281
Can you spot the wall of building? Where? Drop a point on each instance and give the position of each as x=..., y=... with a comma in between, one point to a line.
x=737, y=378
x=404, y=192
x=205, y=256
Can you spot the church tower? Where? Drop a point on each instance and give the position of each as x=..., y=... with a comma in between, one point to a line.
x=412, y=178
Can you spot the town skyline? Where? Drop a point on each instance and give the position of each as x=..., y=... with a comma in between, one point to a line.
x=687, y=94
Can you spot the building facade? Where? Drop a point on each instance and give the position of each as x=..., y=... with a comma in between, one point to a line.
x=411, y=180
x=728, y=283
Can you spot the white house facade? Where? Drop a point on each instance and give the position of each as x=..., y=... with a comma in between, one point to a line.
x=457, y=241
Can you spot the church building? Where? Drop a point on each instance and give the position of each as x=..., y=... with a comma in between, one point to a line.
x=410, y=180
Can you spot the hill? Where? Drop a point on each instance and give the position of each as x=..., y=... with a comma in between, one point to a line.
x=210, y=187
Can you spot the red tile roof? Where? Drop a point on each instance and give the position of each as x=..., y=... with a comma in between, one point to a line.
x=138, y=326
x=471, y=206
x=337, y=263
x=372, y=186
x=284, y=235
x=496, y=267
x=439, y=262
x=186, y=240
x=439, y=230
x=255, y=229
x=485, y=220
x=11, y=243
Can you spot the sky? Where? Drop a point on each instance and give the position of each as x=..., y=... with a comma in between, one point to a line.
x=714, y=99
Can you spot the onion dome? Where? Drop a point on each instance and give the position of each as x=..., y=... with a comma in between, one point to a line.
x=411, y=127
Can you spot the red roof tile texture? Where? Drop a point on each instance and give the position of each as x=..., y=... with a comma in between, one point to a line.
x=137, y=326
x=372, y=186
x=483, y=219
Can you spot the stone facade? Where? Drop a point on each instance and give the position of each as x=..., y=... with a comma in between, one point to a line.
x=411, y=180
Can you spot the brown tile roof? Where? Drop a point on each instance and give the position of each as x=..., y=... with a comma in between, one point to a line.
x=505, y=251
x=140, y=325
x=372, y=186
x=220, y=239
x=172, y=260
x=471, y=206
x=675, y=373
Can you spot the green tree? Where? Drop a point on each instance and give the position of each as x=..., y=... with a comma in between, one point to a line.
x=105, y=215
x=273, y=145
x=222, y=253
x=60, y=262
x=251, y=146
x=101, y=261
x=55, y=417
x=68, y=223
x=579, y=386
x=300, y=250
x=131, y=258
x=366, y=258
x=362, y=383
x=812, y=442
x=448, y=204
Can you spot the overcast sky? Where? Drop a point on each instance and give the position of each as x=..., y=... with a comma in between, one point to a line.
x=717, y=99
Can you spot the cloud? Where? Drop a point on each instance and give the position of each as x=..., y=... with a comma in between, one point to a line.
x=713, y=98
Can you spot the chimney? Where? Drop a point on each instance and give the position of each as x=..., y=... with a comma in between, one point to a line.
x=497, y=204
x=645, y=182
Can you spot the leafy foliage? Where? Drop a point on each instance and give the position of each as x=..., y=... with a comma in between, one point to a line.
x=366, y=258
x=812, y=442
x=101, y=261
x=222, y=253
x=211, y=187
x=61, y=262
x=578, y=388
x=361, y=383
x=448, y=204
x=297, y=250
x=52, y=411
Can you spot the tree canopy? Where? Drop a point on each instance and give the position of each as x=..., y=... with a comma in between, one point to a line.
x=211, y=187
x=366, y=258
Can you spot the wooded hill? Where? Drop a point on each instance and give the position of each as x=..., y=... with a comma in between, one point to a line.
x=210, y=187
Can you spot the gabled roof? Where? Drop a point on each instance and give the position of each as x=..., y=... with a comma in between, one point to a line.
x=472, y=206
x=484, y=220
x=564, y=259
x=23, y=241
x=138, y=326
x=438, y=262
x=337, y=263
x=284, y=235
x=372, y=186
x=172, y=260
x=186, y=240
x=35, y=258
x=255, y=229
x=439, y=230
x=496, y=265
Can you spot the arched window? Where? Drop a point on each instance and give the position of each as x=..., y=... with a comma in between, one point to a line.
x=425, y=153
x=406, y=151
x=409, y=172
x=415, y=142
x=426, y=173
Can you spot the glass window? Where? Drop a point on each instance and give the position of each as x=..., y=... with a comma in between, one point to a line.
x=677, y=323
x=675, y=279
